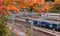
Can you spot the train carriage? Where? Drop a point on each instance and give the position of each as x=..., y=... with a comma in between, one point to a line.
x=53, y=25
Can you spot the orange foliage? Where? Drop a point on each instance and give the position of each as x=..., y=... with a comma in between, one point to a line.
x=36, y=8
x=6, y=9
x=30, y=3
x=13, y=8
x=1, y=1
x=10, y=1
x=46, y=7
x=22, y=6
x=39, y=1
x=22, y=2
x=42, y=10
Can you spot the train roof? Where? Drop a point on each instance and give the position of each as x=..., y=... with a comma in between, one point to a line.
x=47, y=21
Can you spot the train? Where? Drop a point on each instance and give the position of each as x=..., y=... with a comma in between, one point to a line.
x=46, y=23
x=52, y=25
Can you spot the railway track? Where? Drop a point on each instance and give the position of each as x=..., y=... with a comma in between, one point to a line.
x=23, y=25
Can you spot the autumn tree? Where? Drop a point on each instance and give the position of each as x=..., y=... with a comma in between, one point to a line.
x=6, y=6
x=55, y=8
x=4, y=30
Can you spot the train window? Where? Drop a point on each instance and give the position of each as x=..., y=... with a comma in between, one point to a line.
x=59, y=26
x=42, y=22
x=35, y=22
x=45, y=23
x=54, y=25
x=39, y=23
